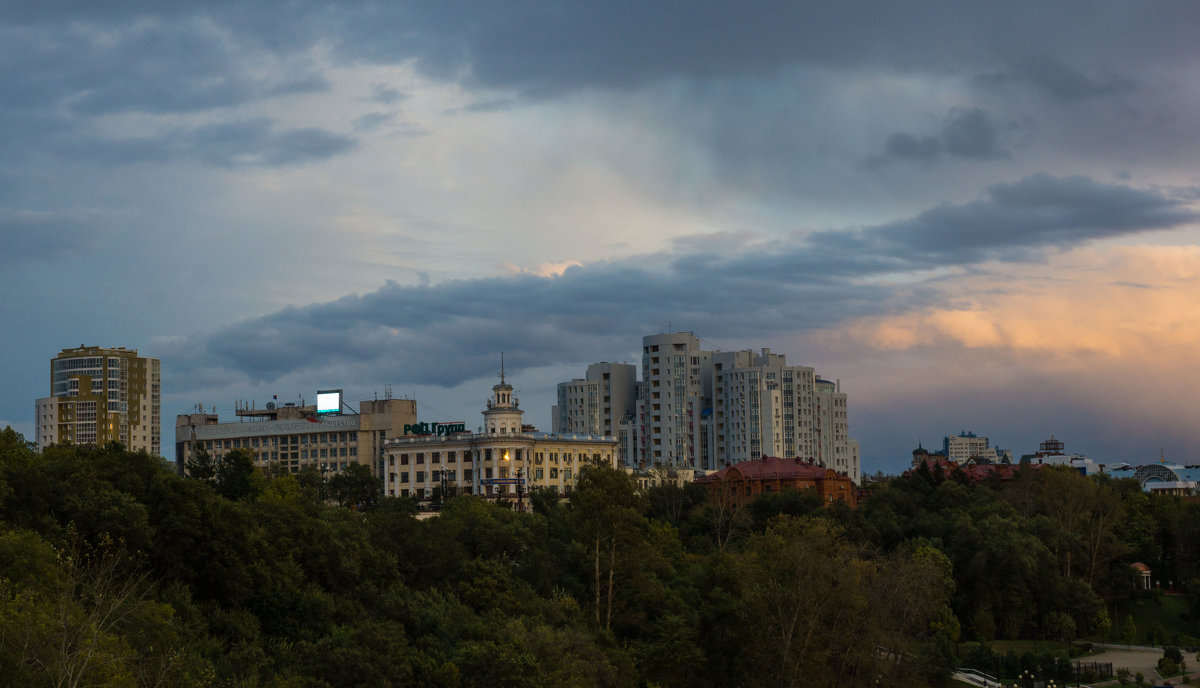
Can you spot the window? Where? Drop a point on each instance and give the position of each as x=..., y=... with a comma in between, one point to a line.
x=553, y=473
x=420, y=476
x=420, y=458
x=435, y=457
x=450, y=457
x=404, y=459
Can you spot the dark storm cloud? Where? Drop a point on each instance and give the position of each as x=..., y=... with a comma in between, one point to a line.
x=966, y=133
x=1013, y=221
x=230, y=144
x=447, y=333
x=547, y=47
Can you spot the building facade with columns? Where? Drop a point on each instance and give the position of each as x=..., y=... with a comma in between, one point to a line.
x=505, y=456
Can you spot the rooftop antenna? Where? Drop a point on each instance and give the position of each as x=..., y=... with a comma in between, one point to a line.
x=387, y=391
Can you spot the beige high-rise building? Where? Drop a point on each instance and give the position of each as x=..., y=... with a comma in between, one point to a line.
x=101, y=395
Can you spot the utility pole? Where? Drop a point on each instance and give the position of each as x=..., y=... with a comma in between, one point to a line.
x=520, y=490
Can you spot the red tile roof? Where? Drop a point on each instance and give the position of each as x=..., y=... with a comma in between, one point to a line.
x=769, y=468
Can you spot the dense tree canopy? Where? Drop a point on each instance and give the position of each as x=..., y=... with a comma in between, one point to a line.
x=116, y=571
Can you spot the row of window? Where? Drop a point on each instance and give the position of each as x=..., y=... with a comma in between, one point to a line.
x=467, y=475
x=293, y=440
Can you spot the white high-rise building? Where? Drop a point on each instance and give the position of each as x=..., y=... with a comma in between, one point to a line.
x=676, y=387
x=708, y=409
x=602, y=403
x=761, y=406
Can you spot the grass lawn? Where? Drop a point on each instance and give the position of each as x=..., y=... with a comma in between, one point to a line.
x=1163, y=615
x=1037, y=647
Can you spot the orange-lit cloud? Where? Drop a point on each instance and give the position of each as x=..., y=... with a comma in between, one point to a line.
x=1121, y=302
x=542, y=269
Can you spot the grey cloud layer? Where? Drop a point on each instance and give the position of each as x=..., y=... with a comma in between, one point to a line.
x=447, y=333
x=230, y=144
x=1014, y=220
x=967, y=133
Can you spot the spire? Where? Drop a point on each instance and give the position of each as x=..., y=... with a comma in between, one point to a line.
x=501, y=367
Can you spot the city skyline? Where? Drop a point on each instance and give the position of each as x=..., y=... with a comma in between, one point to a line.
x=977, y=218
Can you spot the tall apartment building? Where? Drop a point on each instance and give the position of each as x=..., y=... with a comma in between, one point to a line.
x=101, y=395
x=676, y=389
x=762, y=406
x=602, y=403
x=709, y=409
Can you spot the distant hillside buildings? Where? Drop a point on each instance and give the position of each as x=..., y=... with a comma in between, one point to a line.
x=704, y=409
x=100, y=395
x=411, y=458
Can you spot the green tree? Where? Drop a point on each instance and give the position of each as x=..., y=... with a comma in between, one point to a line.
x=1129, y=631
x=355, y=486
x=202, y=466
x=234, y=475
x=606, y=512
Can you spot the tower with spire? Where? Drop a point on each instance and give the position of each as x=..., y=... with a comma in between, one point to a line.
x=503, y=414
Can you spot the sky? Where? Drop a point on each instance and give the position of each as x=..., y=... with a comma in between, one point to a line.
x=977, y=217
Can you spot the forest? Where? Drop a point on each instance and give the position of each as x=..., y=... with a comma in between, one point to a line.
x=115, y=571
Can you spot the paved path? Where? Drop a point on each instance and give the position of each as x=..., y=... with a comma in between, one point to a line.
x=1136, y=658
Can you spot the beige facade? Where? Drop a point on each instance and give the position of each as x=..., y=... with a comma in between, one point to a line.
x=504, y=456
x=966, y=445
x=293, y=437
x=101, y=395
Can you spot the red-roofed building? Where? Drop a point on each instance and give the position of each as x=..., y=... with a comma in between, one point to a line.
x=744, y=481
x=975, y=472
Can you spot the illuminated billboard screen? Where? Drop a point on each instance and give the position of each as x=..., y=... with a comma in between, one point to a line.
x=329, y=401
